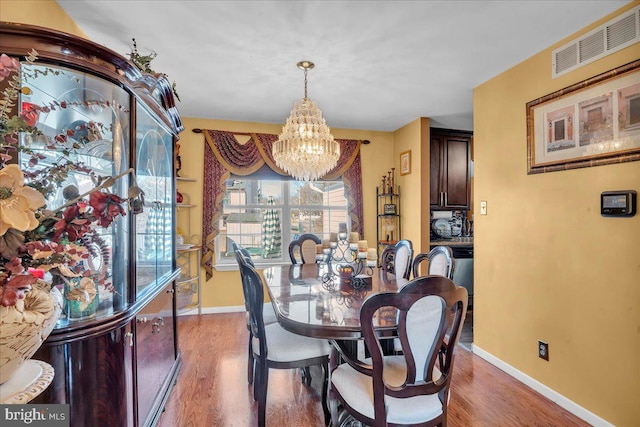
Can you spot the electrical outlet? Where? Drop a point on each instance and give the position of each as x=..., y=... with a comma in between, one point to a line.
x=483, y=207
x=543, y=350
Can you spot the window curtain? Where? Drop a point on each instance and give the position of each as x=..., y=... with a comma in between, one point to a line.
x=224, y=155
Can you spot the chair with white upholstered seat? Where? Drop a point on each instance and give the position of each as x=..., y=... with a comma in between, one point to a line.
x=397, y=259
x=440, y=262
x=274, y=347
x=411, y=388
x=268, y=315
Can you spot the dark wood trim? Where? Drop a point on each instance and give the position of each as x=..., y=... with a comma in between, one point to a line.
x=88, y=329
x=167, y=386
x=60, y=48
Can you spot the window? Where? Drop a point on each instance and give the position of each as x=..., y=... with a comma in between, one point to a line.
x=559, y=130
x=264, y=216
x=594, y=119
x=634, y=111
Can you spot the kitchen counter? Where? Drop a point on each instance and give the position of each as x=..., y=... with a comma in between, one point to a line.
x=454, y=241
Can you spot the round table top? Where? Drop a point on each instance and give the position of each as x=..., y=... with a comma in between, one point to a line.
x=31, y=379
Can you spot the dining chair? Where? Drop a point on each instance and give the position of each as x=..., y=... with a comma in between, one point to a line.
x=268, y=315
x=396, y=259
x=440, y=262
x=274, y=347
x=411, y=388
x=303, y=249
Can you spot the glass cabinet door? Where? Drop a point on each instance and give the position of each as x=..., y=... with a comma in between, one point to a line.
x=155, y=349
x=83, y=119
x=154, y=227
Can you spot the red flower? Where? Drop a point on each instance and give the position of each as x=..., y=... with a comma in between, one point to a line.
x=36, y=272
x=106, y=207
x=72, y=223
x=15, y=266
x=15, y=288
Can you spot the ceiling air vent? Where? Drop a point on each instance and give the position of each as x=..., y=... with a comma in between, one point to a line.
x=566, y=58
x=591, y=47
x=620, y=32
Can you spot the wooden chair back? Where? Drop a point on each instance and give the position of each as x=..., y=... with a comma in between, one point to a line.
x=303, y=249
x=440, y=262
x=397, y=259
x=428, y=308
x=252, y=288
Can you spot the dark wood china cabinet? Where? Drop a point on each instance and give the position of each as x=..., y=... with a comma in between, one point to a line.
x=450, y=171
x=115, y=367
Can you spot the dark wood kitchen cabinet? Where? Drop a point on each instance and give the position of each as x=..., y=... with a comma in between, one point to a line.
x=114, y=366
x=450, y=171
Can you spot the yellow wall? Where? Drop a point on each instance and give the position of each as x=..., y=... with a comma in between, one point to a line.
x=413, y=193
x=45, y=13
x=547, y=265
x=223, y=289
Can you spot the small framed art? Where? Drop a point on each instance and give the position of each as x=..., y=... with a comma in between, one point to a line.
x=405, y=162
x=389, y=209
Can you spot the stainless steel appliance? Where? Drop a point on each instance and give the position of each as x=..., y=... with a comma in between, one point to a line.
x=463, y=271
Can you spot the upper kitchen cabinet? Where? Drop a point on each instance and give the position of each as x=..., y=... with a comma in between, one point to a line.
x=450, y=169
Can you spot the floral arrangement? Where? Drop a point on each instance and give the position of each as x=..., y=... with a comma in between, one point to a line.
x=33, y=238
x=143, y=62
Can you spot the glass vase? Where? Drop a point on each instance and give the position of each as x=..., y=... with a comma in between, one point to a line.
x=81, y=298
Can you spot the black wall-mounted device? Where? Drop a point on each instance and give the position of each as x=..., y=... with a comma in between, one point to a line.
x=618, y=203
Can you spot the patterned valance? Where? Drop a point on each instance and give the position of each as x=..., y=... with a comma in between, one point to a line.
x=224, y=155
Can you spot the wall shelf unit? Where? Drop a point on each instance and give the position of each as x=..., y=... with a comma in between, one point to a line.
x=188, y=254
x=188, y=283
x=388, y=227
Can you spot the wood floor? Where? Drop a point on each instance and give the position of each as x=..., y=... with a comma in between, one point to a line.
x=212, y=387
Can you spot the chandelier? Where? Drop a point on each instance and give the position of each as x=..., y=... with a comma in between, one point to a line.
x=306, y=149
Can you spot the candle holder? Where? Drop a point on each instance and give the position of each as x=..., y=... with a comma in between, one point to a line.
x=345, y=263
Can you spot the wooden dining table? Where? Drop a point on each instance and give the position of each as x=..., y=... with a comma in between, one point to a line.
x=306, y=304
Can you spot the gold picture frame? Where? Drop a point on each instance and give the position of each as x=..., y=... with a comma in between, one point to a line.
x=593, y=122
x=405, y=162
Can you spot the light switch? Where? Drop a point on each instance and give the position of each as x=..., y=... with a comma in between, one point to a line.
x=483, y=207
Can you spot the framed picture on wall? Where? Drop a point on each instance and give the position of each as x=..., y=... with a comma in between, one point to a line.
x=405, y=162
x=389, y=209
x=593, y=122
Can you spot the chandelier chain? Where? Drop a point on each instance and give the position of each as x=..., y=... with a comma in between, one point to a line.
x=305, y=82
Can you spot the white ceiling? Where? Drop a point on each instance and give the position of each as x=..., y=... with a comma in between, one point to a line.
x=379, y=64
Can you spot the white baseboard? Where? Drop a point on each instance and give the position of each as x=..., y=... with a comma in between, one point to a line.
x=547, y=392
